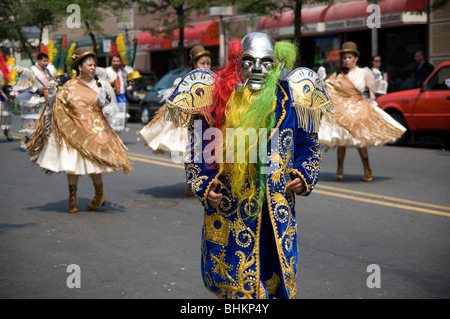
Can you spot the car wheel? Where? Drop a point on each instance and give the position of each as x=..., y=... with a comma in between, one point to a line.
x=145, y=114
x=405, y=138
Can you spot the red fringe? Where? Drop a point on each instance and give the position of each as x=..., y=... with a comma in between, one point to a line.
x=225, y=82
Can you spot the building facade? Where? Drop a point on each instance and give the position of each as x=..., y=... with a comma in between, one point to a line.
x=392, y=29
x=439, y=39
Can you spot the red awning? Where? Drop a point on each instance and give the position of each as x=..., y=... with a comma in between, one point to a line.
x=314, y=16
x=358, y=9
x=286, y=18
x=200, y=34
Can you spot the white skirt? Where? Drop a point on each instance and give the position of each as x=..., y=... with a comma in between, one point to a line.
x=56, y=159
x=331, y=134
x=164, y=136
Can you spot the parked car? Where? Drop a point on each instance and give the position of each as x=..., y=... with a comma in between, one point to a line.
x=139, y=92
x=152, y=102
x=425, y=110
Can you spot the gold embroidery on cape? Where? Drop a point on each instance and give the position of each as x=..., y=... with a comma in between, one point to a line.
x=217, y=229
x=248, y=284
x=192, y=175
x=221, y=266
x=245, y=285
x=279, y=204
x=247, y=281
x=262, y=291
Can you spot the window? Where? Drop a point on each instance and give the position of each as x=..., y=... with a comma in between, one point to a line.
x=440, y=80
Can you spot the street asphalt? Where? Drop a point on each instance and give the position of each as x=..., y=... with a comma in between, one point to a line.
x=145, y=242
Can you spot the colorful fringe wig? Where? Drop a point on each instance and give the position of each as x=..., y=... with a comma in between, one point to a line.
x=225, y=81
x=248, y=109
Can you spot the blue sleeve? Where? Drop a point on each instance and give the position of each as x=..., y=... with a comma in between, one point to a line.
x=307, y=159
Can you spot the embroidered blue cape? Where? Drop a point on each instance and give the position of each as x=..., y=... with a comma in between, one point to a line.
x=245, y=253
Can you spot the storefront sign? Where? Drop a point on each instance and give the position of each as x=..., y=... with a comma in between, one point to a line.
x=360, y=23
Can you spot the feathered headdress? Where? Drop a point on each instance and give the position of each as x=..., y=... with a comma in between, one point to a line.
x=51, y=52
x=113, y=49
x=122, y=49
x=43, y=49
x=69, y=57
x=4, y=67
x=62, y=52
x=65, y=45
x=12, y=73
x=58, y=61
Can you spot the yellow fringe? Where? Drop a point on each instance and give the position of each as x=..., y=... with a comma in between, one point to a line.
x=309, y=119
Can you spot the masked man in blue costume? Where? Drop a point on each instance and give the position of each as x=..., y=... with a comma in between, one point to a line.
x=253, y=148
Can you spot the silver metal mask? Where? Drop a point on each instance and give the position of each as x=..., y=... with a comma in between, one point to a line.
x=256, y=60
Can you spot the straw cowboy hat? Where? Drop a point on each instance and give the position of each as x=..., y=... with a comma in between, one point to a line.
x=79, y=54
x=196, y=52
x=349, y=47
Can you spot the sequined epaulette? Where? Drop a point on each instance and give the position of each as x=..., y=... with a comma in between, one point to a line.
x=194, y=93
x=309, y=98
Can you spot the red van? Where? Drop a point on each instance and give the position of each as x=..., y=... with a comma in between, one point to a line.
x=425, y=110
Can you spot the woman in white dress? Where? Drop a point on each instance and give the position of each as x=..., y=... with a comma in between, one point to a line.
x=359, y=121
x=162, y=135
x=79, y=140
x=380, y=76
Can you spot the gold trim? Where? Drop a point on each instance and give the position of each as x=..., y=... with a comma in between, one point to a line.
x=283, y=115
x=217, y=233
x=257, y=250
x=281, y=257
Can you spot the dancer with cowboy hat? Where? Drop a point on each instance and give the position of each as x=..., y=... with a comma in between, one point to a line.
x=359, y=122
x=162, y=135
x=79, y=140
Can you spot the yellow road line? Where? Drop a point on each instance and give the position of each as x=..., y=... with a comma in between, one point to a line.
x=377, y=202
x=335, y=190
x=156, y=162
x=395, y=199
x=336, y=194
x=152, y=157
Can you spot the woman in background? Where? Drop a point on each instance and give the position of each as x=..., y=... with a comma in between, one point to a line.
x=79, y=140
x=359, y=121
x=161, y=134
x=380, y=76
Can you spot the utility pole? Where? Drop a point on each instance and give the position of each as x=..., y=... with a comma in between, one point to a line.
x=221, y=12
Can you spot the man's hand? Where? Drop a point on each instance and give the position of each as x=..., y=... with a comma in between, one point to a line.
x=213, y=197
x=296, y=185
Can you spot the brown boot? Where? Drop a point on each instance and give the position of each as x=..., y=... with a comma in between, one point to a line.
x=367, y=171
x=340, y=172
x=73, y=199
x=340, y=161
x=99, y=199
